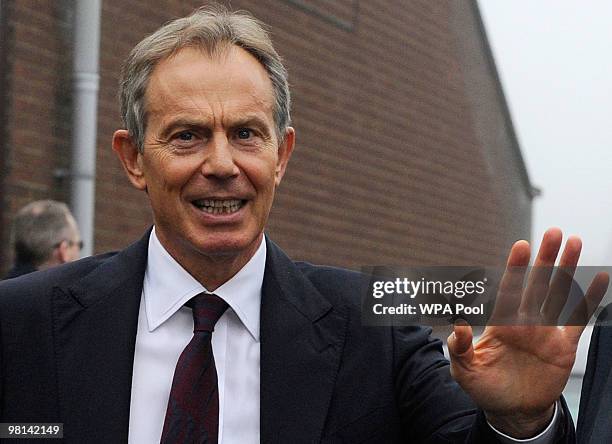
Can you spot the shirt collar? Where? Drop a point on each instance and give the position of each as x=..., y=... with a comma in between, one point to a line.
x=168, y=286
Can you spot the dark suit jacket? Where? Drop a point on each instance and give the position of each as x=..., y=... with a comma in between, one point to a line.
x=19, y=269
x=67, y=345
x=595, y=420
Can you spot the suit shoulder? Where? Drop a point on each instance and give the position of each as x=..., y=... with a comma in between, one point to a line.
x=29, y=289
x=328, y=273
x=340, y=282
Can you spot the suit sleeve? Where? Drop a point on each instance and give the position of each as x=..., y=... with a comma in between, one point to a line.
x=595, y=397
x=589, y=377
x=1, y=368
x=433, y=407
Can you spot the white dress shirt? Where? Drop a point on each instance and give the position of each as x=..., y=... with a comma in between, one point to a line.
x=165, y=327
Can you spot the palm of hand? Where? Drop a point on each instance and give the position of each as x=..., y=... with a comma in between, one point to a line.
x=517, y=369
x=520, y=365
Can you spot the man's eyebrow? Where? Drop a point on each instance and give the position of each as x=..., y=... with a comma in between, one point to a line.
x=184, y=122
x=251, y=121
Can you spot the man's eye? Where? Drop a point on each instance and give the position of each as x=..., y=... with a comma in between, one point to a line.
x=244, y=133
x=185, y=139
x=185, y=136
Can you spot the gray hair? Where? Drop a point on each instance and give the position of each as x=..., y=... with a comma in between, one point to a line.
x=38, y=228
x=211, y=28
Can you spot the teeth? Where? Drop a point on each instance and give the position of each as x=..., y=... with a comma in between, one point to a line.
x=218, y=203
x=218, y=206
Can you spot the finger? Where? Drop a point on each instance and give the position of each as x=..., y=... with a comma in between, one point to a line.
x=562, y=281
x=460, y=347
x=587, y=306
x=539, y=277
x=511, y=285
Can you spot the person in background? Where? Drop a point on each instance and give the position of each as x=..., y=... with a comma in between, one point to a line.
x=44, y=234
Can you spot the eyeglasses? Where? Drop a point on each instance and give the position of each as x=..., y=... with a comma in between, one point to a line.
x=70, y=243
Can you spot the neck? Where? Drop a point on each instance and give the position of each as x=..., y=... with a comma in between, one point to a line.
x=48, y=264
x=211, y=270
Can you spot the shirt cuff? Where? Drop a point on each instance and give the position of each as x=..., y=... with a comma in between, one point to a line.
x=547, y=436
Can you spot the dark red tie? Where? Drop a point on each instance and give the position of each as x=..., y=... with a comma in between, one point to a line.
x=192, y=415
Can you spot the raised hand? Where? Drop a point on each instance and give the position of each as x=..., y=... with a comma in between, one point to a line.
x=517, y=370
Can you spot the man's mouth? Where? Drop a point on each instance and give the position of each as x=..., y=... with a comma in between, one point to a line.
x=218, y=206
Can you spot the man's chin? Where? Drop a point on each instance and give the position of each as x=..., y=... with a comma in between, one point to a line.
x=226, y=246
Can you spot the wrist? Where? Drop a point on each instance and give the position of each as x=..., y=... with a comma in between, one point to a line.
x=521, y=425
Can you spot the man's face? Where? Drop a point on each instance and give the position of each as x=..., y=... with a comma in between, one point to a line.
x=211, y=159
x=74, y=248
x=69, y=248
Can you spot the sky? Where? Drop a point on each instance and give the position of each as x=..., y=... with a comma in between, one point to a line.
x=554, y=58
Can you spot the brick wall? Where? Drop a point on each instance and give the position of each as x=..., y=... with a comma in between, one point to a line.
x=37, y=101
x=404, y=153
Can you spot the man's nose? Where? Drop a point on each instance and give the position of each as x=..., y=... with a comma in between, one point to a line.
x=219, y=161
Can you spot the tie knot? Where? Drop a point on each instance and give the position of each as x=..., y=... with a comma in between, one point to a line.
x=207, y=309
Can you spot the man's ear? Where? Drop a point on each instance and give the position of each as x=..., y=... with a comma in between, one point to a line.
x=285, y=149
x=130, y=158
x=62, y=252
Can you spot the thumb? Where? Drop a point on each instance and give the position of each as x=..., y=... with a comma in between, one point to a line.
x=460, y=347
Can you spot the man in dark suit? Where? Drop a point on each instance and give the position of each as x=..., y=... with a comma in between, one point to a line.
x=120, y=348
x=596, y=398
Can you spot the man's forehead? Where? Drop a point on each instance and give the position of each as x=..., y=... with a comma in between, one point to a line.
x=192, y=104
x=233, y=75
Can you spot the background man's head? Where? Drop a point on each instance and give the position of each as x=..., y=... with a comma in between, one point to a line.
x=44, y=234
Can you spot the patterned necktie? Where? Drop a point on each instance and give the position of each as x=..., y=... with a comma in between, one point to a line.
x=192, y=415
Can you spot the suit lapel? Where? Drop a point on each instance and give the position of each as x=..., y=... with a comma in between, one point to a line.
x=302, y=336
x=95, y=322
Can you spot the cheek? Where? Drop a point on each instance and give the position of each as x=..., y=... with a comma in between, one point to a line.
x=260, y=170
x=169, y=174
